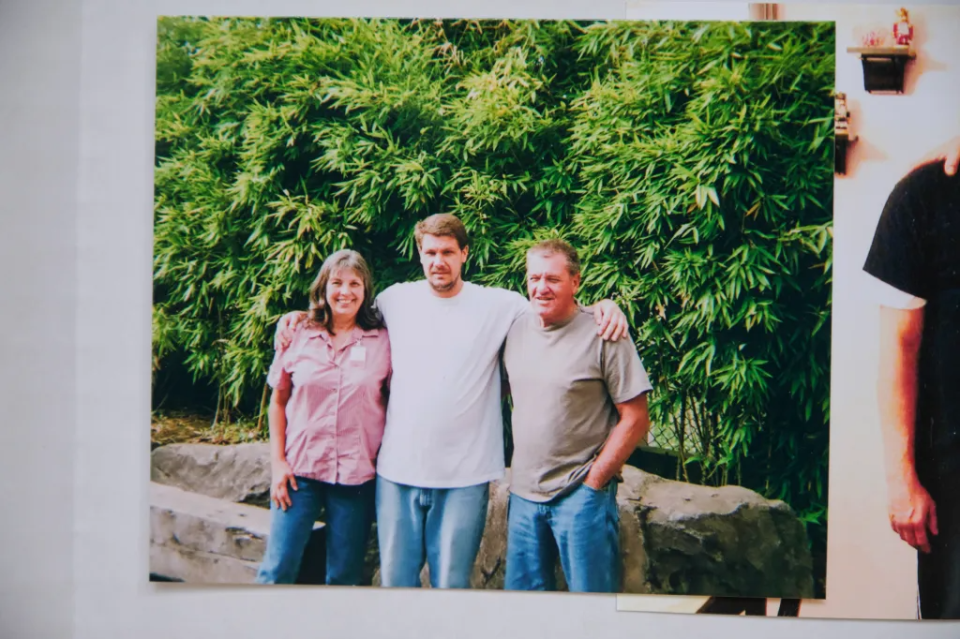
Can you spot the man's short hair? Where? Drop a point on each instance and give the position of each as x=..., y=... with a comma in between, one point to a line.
x=554, y=247
x=442, y=225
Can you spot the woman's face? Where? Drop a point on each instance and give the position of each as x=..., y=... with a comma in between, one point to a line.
x=345, y=293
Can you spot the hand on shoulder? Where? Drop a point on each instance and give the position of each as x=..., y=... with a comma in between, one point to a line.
x=948, y=152
x=287, y=328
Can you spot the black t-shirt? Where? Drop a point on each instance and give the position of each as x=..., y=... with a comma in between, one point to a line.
x=916, y=249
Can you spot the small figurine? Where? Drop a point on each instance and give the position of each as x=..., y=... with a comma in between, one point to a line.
x=902, y=29
x=873, y=38
x=841, y=115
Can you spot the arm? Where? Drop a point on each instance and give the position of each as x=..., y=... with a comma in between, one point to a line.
x=280, y=469
x=611, y=321
x=623, y=440
x=286, y=327
x=912, y=511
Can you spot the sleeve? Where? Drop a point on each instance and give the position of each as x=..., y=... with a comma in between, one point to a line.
x=383, y=302
x=623, y=371
x=891, y=297
x=897, y=255
x=278, y=377
x=516, y=304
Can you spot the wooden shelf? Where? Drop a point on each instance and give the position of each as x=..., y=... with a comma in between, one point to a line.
x=896, y=50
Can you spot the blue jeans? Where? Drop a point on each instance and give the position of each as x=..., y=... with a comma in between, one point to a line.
x=442, y=526
x=581, y=528
x=348, y=516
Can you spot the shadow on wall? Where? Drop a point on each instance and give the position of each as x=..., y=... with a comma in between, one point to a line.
x=862, y=149
x=923, y=62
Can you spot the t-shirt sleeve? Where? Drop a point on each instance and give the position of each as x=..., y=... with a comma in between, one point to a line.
x=897, y=255
x=623, y=371
x=516, y=304
x=278, y=377
x=384, y=302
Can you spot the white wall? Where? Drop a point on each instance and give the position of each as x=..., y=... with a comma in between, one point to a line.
x=870, y=572
x=638, y=10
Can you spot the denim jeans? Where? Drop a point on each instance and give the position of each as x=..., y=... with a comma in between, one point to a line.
x=348, y=514
x=581, y=528
x=442, y=526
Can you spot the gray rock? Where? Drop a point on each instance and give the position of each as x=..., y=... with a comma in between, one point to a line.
x=675, y=538
x=725, y=541
x=238, y=473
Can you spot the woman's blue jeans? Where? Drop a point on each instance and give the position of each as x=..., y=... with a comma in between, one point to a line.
x=347, y=515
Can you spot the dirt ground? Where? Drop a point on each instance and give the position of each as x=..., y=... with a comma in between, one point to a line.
x=185, y=428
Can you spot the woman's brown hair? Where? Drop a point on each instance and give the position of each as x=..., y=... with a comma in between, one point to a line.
x=367, y=317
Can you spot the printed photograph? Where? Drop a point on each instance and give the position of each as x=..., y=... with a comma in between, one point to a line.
x=498, y=304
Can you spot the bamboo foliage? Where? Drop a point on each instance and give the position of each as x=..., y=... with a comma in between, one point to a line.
x=691, y=164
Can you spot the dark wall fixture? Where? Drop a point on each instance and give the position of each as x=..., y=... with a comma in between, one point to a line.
x=883, y=67
x=841, y=133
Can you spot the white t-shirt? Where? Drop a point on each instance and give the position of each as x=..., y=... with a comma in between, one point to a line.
x=444, y=426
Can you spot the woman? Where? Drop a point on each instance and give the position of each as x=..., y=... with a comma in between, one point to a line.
x=326, y=417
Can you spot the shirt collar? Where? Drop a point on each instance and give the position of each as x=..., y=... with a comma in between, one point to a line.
x=311, y=332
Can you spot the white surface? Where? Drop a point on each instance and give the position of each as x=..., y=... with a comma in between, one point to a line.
x=109, y=387
x=39, y=69
x=638, y=10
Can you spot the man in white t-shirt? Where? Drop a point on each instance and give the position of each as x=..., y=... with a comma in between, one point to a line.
x=443, y=440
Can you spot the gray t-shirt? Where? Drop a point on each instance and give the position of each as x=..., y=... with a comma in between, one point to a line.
x=566, y=382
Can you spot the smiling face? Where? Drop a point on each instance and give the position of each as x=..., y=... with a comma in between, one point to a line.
x=551, y=287
x=344, y=293
x=442, y=260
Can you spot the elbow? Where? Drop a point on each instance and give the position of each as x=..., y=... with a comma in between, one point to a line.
x=637, y=427
x=909, y=339
x=640, y=431
x=279, y=398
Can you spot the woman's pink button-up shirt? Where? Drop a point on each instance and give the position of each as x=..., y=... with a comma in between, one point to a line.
x=338, y=405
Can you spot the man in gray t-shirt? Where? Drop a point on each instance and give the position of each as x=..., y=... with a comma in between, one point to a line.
x=580, y=408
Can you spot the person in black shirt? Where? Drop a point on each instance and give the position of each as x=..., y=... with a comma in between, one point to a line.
x=916, y=257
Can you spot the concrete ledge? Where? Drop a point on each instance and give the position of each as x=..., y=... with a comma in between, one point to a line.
x=201, y=539
x=238, y=473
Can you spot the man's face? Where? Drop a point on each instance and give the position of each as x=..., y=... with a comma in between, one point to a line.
x=442, y=260
x=551, y=288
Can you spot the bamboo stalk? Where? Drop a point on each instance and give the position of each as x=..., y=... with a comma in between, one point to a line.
x=263, y=401
x=682, y=468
